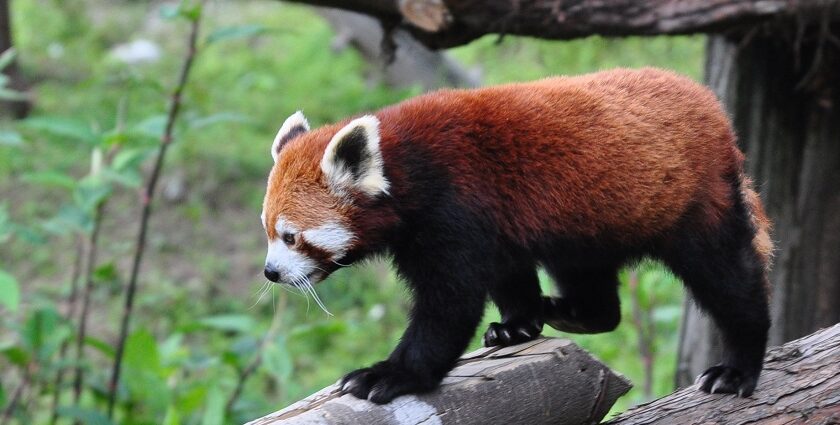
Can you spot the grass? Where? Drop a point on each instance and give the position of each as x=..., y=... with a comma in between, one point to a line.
x=198, y=318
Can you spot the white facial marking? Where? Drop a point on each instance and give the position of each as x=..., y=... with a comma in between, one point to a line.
x=331, y=237
x=291, y=264
x=295, y=120
x=372, y=180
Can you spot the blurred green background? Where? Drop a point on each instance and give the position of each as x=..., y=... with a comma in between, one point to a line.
x=203, y=315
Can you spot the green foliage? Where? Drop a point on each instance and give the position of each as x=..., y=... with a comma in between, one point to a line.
x=200, y=322
x=9, y=291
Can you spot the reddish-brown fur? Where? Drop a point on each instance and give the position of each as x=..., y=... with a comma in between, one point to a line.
x=652, y=144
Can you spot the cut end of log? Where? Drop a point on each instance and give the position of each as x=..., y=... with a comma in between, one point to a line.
x=548, y=380
x=428, y=15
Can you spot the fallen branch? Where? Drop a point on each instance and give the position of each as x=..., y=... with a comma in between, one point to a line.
x=543, y=381
x=441, y=24
x=800, y=384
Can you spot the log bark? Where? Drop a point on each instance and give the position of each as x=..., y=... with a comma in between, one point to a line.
x=543, y=381
x=800, y=384
x=784, y=98
x=441, y=24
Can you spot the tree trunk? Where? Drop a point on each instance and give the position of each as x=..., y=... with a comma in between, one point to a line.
x=784, y=97
x=801, y=384
x=542, y=381
x=13, y=108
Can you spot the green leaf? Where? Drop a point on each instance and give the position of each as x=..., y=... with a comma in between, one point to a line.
x=63, y=127
x=50, y=179
x=85, y=416
x=43, y=333
x=6, y=225
x=169, y=11
x=9, y=94
x=16, y=355
x=144, y=375
x=214, y=414
x=90, y=192
x=70, y=218
x=7, y=57
x=106, y=273
x=220, y=118
x=277, y=361
x=100, y=345
x=125, y=168
x=236, y=32
x=10, y=138
x=9, y=291
x=229, y=322
x=151, y=127
x=172, y=417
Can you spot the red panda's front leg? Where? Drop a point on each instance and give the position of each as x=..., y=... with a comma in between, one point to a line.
x=447, y=279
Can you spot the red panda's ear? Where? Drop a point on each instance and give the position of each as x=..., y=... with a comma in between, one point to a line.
x=352, y=159
x=294, y=126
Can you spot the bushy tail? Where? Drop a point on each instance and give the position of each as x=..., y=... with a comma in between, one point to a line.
x=761, y=241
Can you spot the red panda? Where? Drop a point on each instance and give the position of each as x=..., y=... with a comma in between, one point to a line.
x=470, y=191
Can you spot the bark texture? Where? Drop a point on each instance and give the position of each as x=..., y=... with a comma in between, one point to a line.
x=783, y=91
x=800, y=384
x=529, y=383
x=449, y=23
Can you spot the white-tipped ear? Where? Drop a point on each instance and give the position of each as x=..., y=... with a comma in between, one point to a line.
x=353, y=159
x=294, y=126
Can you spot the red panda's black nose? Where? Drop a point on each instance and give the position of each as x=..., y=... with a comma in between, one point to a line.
x=272, y=275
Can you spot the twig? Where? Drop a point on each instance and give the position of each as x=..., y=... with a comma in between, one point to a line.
x=88, y=289
x=246, y=373
x=148, y=194
x=71, y=315
x=10, y=409
x=645, y=334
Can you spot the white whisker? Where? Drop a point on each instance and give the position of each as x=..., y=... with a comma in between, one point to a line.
x=261, y=293
x=316, y=297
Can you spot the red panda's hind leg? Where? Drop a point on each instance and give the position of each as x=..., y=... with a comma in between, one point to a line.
x=588, y=301
x=518, y=298
x=727, y=278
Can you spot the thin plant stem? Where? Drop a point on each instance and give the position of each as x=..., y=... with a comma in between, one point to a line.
x=249, y=370
x=645, y=332
x=16, y=397
x=71, y=315
x=90, y=265
x=148, y=194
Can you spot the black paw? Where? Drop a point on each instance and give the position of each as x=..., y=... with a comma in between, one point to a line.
x=727, y=379
x=383, y=382
x=512, y=332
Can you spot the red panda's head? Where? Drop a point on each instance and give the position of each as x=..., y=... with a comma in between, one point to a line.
x=313, y=191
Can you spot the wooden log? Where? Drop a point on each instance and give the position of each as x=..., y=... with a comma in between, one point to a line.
x=441, y=24
x=800, y=384
x=542, y=381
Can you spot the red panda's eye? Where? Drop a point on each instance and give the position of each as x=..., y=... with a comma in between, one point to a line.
x=289, y=238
